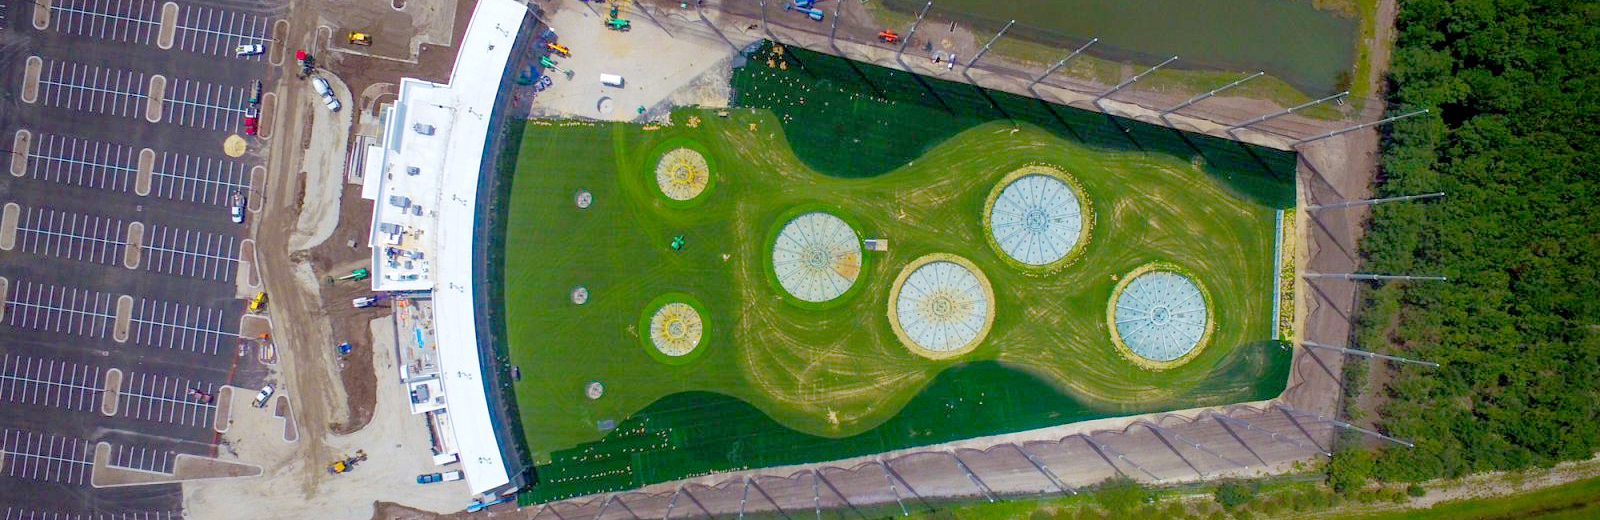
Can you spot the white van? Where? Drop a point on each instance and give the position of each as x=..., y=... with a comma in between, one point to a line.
x=611, y=80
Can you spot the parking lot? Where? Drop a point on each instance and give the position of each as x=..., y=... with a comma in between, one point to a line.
x=120, y=307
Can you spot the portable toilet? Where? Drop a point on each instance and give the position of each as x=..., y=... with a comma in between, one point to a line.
x=611, y=80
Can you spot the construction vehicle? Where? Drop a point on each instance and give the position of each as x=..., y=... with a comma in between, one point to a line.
x=358, y=38
x=347, y=464
x=678, y=242
x=366, y=301
x=307, y=62
x=888, y=36
x=559, y=49
x=616, y=24
x=810, y=12
x=357, y=275
x=258, y=304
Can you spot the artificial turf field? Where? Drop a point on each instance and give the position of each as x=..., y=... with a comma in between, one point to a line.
x=777, y=383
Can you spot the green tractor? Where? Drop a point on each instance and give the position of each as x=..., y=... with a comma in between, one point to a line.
x=617, y=24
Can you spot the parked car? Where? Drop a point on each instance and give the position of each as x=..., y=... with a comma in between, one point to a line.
x=261, y=398
x=236, y=207
x=248, y=49
x=252, y=118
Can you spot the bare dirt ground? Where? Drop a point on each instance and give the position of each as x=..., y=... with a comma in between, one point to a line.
x=339, y=406
x=662, y=66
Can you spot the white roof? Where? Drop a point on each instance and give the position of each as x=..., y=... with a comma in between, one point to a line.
x=446, y=187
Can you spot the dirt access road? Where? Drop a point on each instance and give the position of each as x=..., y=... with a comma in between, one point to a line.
x=314, y=225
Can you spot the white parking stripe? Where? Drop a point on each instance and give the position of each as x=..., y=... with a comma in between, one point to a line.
x=190, y=253
x=17, y=513
x=166, y=399
x=92, y=89
x=72, y=236
x=198, y=104
x=179, y=326
x=79, y=162
x=47, y=457
x=198, y=179
x=215, y=32
x=48, y=307
x=49, y=382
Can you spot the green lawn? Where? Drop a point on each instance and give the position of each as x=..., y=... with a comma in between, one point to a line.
x=1573, y=501
x=839, y=372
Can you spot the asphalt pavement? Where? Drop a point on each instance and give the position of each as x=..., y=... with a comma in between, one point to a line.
x=120, y=300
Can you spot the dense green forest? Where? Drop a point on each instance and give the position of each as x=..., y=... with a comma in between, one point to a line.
x=1514, y=139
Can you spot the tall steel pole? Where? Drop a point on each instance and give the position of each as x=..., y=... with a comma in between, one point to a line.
x=1292, y=411
x=1063, y=62
x=909, y=35
x=1365, y=354
x=1202, y=97
x=983, y=51
x=1129, y=81
x=1373, y=202
x=1283, y=112
x=1358, y=127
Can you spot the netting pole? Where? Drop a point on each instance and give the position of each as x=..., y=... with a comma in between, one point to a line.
x=888, y=476
x=556, y=512
x=1291, y=410
x=1202, y=97
x=1159, y=431
x=898, y=53
x=1275, y=435
x=982, y=488
x=744, y=496
x=1374, y=277
x=701, y=13
x=536, y=514
x=603, y=505
x=651, y=17
x=1281, y=113
x=1129, y=81
x=625, y=507
x=834, y=28
x=697, y=502
x=1104, y=449
x=1358, y=127
x=816, y=494
x=840, y=494
x=763, y=491
x=765, y=25
x=1044, y=470
x=1062, y=63
x=1373, y=202
x=983, y=51
x=672, y=503
x=1365, y=354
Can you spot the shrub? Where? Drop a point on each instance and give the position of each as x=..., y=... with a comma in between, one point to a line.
x=1416, y=490
x=1234, y=494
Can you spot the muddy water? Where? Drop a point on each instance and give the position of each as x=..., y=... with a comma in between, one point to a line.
x=1289, y=39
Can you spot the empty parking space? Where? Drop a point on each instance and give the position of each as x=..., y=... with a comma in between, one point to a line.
x=82, y=162
x=22, y=513
x=180, y=326
x=165, y=399
x=203, y=180
x=183, y=252
x=53, y=308
x=142, y=458
x=93, y=89
x=73, y=236
x=216, y=32
x=46, y=457
x=204, y=105
x=125, y=21
x=50, y=383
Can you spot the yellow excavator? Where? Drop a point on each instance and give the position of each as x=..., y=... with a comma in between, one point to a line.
x=347, y=464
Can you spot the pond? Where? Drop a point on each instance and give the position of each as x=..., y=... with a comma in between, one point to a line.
x=1288, y=39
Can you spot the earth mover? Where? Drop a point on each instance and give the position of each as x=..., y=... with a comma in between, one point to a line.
x=347, y=464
